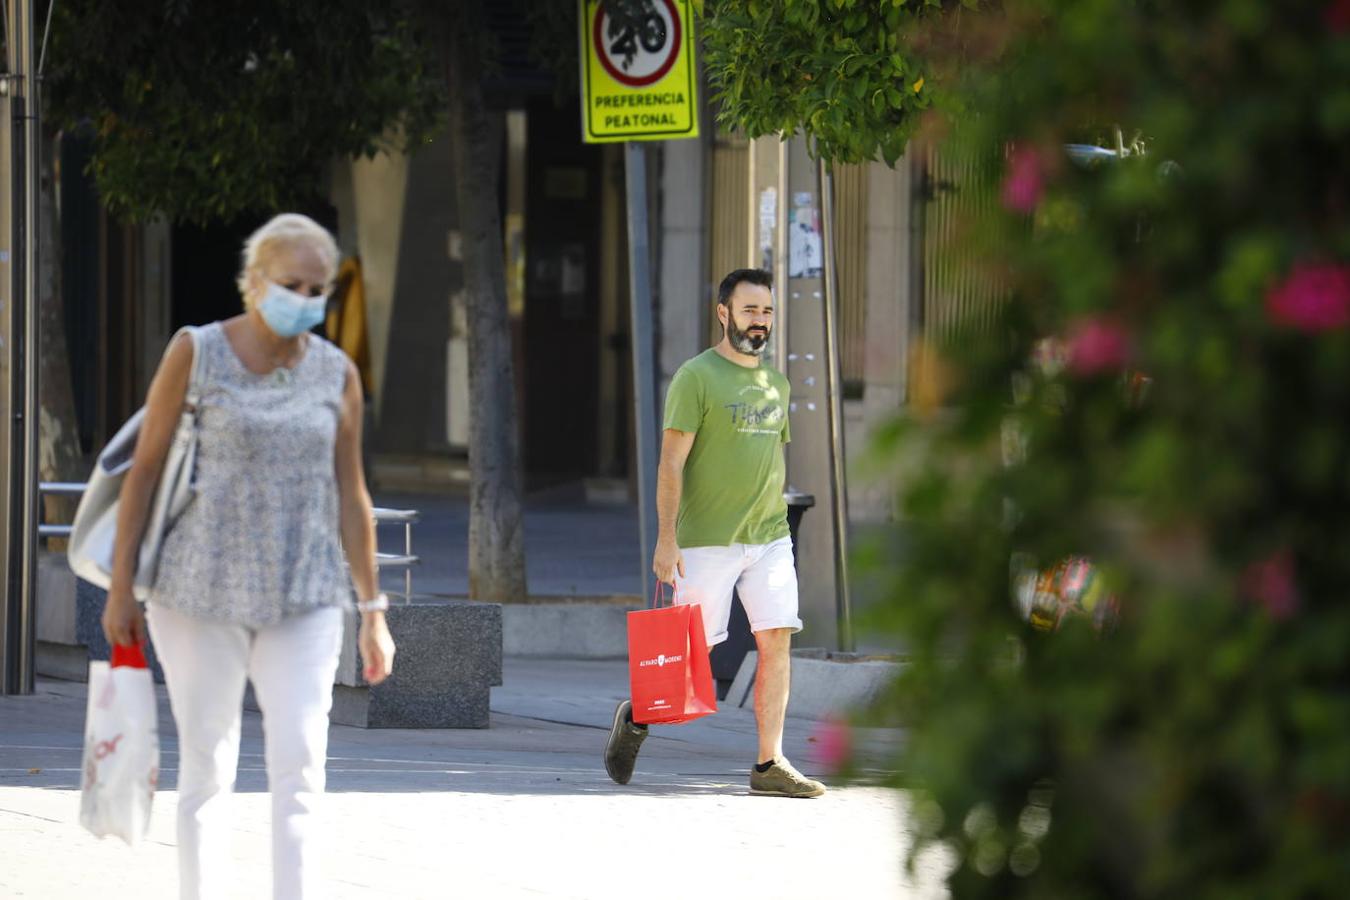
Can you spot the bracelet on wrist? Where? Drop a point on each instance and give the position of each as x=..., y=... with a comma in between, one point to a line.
x=378, y=603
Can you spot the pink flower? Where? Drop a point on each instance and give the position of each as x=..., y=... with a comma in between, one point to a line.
x=835, y=740
x=1313, y=298
x=1024, y=183
x=1270, y=583
x=1337, y=16
x=1097, y=345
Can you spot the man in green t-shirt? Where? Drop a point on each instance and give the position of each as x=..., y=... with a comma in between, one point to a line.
x=723, y=520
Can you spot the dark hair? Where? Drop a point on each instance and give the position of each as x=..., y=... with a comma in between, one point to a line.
x=742, y=276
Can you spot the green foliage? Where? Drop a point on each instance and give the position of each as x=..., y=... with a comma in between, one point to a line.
x=843, y=71
x=554, y=45
x=1198, y=749
x=207, y=110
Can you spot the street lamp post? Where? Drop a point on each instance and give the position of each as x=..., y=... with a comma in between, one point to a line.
x=19, y=136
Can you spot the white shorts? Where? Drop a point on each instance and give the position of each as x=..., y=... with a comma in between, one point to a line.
x=763, y=575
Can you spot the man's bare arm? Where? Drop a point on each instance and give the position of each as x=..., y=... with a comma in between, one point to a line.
x=675, y=447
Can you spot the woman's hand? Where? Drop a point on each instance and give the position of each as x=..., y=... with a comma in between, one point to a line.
x=123, y=621
x=377, y=647
x=358, y=531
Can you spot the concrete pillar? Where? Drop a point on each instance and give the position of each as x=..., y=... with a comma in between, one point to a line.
x=800, y=304
x=683, y=289
x=889, y=302
x=889, y=299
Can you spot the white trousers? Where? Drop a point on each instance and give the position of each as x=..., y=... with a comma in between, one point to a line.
x=291, y=665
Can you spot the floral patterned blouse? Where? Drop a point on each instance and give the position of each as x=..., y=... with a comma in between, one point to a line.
x=259, y=542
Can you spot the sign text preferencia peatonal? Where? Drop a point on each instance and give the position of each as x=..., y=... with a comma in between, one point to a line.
x=637, y=77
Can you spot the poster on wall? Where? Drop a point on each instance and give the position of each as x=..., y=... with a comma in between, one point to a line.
x=768, y=221
x=806, y=252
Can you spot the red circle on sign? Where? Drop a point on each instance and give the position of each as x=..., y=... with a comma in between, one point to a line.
x=645, y=80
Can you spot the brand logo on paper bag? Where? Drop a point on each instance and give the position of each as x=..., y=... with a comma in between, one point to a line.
x=660, y=661
x=106, y=748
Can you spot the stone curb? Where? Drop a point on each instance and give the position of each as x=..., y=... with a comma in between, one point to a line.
x=566, y=630
x=822, y=688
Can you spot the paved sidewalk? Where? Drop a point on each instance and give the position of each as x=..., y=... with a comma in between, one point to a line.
x=572, y=549
x=522, y=809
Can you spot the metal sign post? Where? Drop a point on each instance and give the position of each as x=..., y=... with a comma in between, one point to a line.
x=834, y=400
x=638, y=83
x=18, y=355
x=647, y=427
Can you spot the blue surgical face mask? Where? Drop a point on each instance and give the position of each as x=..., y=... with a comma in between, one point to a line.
x=290, y=314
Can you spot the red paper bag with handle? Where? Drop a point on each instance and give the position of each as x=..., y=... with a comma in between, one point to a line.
x=669, y=674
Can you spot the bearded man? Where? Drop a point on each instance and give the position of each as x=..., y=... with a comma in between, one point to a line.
x=723, y=520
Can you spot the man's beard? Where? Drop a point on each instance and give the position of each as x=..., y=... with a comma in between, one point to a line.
x=751, y=342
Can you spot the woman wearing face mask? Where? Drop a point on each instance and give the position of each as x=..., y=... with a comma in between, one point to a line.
x=251, y=583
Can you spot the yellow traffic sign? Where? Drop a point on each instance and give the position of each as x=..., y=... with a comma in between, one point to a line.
x=638, y=83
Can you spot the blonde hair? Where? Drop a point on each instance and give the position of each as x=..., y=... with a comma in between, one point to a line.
x=287, y=229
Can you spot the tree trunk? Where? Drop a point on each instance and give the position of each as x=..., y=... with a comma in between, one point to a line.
x=496, y=526
x=59, y=457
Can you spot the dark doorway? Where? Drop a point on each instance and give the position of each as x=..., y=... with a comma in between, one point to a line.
x=81, y=262
x=205, y=264
x=206, y=261
x=562, y=305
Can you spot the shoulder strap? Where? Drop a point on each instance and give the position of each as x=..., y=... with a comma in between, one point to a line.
x=335, y=357
x=194, y=388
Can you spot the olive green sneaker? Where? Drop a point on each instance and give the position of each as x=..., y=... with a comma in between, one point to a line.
x=783, y=781
x=625, y=739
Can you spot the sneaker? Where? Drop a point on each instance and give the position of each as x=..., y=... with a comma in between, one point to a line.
x=625, y=739
x=783, y=781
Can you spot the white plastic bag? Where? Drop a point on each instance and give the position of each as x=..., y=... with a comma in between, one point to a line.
x=121, y=747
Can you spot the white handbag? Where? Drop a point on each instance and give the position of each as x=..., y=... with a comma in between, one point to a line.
x=92, y=533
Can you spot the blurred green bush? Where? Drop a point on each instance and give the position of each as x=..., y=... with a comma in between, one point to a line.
x=1190, y=434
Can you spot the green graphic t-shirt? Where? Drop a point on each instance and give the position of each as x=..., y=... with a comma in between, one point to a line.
x=733, y=479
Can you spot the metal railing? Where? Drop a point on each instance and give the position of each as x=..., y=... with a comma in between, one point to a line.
x=58, y=489
x=382, y=515
x=406, y=560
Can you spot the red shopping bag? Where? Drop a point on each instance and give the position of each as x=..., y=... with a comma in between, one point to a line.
x=668, y=669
